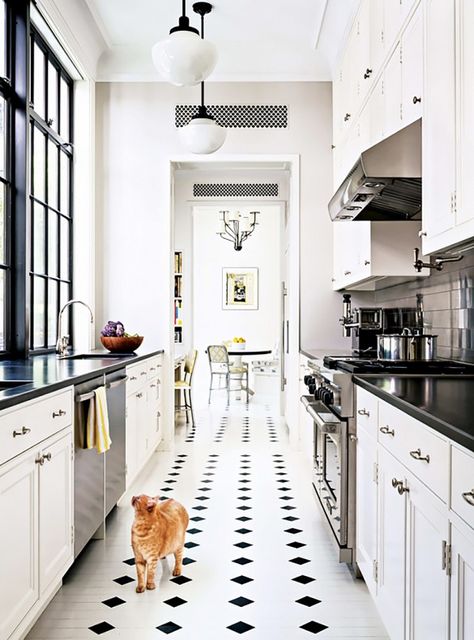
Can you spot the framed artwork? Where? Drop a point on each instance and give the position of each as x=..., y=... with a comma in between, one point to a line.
x=240, y=288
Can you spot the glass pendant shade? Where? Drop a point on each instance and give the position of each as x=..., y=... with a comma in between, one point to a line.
x=202, y=135
x=184, y=59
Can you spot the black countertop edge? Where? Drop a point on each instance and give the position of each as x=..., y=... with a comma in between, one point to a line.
x=449, y=430
x=98, y=367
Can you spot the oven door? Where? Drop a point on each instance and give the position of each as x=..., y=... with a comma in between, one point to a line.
x=330, y=466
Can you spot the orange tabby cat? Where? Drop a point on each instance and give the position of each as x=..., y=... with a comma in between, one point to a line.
x=158, y=530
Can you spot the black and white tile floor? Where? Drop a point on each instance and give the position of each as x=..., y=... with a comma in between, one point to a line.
x=258, y=564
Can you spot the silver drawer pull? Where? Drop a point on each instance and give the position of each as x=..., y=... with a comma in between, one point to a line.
x=59, y=414
x=139, y=395
x=39, y=460
x=153, y=385
x=386, y=431
x=133, y=377
x=417, y=455
x=398, y=485
x=47, y=456
x=363, y=412
x=143, y=373
x=23, y=432
x=152, y=368
x=469, y=497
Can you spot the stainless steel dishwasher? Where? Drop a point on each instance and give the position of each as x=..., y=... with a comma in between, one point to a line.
x=99, y=479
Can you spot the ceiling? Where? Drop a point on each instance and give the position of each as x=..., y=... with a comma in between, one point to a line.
x=257, y=40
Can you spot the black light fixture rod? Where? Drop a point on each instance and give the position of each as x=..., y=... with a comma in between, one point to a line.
x=202, y=94
x=184, y=7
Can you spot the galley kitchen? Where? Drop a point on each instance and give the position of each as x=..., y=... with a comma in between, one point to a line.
x=237, y=311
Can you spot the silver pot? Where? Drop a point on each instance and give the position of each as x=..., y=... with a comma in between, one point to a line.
x=406, y=346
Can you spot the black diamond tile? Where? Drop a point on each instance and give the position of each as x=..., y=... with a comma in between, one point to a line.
x=170, y=481
x=290, y=518
x=284, y=489
x=308, y=601
x=244, y=498
x=242, y=545
x=286, y=498
x=206, y=481
x=207, y=489
x=113, y=602
x=188, y=561
x=176, y=466
x=244, y=508
x=245, y=455
x=191, y=545
x=175, y=602
x=210, y=474
x=245, y=467
x=182, y=455
x=240, y=627
x=313, y=627
x=245, y=473
x=241, y=601
x=199, y=508
x=123, y=580
x=279, y=467
x=130, y=562
x=245, y=489
x=163, y=498
x=299, y=560
x=213, y=455
x=242, y=579
x=292, y=530
x=243, y=531
x=303, y=579
x=169, y=627
x=101, y=627
x=202, y=498
x=197, y=519
x=242, y=561
x=296, y=545
x=194, y=530
x=244, y=518
x=283, y=480
x=245, y=481
x=288, y=507
x=180, y=580
x=166, y=489
x=174, y=474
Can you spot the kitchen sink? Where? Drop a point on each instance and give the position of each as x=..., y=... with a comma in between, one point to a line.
x=12, y=384
x=88, y=356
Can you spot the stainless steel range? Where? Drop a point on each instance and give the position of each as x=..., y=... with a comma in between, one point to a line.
x=331, y=404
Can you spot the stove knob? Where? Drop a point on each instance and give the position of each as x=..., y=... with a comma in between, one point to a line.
x=311, y=388
x=308, y=380
x=327, y=397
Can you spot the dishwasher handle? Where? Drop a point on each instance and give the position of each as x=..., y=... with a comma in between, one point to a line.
x=116, y=383
x=83, y=397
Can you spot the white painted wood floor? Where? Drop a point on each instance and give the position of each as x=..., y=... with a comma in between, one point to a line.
x=259, y=560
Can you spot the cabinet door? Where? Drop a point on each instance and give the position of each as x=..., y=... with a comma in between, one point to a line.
x=462, y=581
x=18, y=541
x=376, y=107
x=412, y=69
x=142, y=427
x=366, y=501
x=377, y=48
x=391, y=543
x=439, y=135
x=392, y=21
x=153, y=413
x=428, y=582
x=55, y=510
x=393, y=93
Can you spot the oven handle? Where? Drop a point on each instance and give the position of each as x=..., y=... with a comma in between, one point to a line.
x=324, y=426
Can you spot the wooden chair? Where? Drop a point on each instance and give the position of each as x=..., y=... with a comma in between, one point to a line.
x=221, y=367
x=186, y=385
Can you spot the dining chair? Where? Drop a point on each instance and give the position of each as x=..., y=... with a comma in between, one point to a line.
x=220, y=366
x=185, y=385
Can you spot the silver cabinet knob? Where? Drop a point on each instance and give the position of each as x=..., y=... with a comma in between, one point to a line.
x=387, y=431
x=59, y=414
x=469, y=497
x=417, y=456
x=363, y=412
x=23, y=432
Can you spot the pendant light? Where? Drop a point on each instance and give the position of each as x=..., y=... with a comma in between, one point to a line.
x=184, y=59
x=202, y=135
x=236, y=228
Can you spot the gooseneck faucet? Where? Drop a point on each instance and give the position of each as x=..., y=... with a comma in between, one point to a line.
x=62, y=342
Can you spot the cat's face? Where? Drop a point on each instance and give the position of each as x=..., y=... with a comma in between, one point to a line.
x=144, y=503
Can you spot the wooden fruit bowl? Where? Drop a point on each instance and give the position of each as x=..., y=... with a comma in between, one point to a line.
x=122, y=344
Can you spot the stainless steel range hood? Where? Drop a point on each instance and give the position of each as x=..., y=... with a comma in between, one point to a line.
x=385, y=183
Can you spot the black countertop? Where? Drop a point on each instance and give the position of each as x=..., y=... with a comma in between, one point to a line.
x=445, y=403
x=47, y=373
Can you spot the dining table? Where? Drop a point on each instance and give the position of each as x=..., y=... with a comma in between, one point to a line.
x=238, y=354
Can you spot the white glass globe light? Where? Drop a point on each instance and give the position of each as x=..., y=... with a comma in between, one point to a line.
x=202, y=135
x=184, y=59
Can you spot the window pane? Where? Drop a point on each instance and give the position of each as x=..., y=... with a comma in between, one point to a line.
x=3, y=134
x=39, y=81
x=64, y=248
x=38, y=312
x=53, y=162
x=39, y=146
x=64, y=296
x=2, y=309
x=53, y=243
x=64, y=201
x=64, y=109
x=2, y=225
x=52, y=311
x=39, y=238
x=52, y=97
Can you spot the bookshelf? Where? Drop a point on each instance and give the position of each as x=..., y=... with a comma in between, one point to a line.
x=178, y=297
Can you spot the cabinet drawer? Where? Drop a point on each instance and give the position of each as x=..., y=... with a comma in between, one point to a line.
x=367, y=412
x=24, y=426
x=416, y=446
x=462, y=485
x=154, y=367
x=137, y=376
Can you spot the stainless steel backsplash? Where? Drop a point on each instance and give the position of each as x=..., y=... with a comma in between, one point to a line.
x=448, y=298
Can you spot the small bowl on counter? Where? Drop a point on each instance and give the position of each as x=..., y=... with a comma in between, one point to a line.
x=122, y=344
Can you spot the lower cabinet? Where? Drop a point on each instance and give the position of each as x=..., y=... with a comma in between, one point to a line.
x=462, y=592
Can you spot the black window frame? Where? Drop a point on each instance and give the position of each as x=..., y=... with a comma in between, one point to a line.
x=64, y=149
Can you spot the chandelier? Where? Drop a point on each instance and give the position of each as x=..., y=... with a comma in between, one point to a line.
x=236, y=228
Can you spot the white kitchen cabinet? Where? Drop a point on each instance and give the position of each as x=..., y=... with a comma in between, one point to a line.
x=412, y=69
x=153, y=409
x=462, y=582
x=367, y=251
x=55, y=509
x=376, y=38
x=19, y=588
x=366, y=501
x=391, y=572
x=393, y=93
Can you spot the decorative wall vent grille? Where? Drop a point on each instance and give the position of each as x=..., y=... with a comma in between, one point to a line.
x=252, y=190
x=238, y=116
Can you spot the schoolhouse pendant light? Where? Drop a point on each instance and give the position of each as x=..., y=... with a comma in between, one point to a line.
x=184, y=59
x=202, y=135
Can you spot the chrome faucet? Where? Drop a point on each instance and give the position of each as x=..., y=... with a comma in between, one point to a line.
x=62, y=342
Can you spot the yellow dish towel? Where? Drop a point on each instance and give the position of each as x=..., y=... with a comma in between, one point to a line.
x=98, y=435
